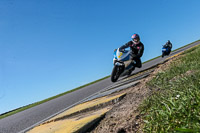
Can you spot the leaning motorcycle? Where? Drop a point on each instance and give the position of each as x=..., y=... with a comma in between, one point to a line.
x=165, y=51
x=123, y=64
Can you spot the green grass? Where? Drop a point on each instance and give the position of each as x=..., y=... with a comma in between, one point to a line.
x=45, y=100
x=174, y=105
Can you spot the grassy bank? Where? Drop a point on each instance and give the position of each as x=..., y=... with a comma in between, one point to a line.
x=174, y=105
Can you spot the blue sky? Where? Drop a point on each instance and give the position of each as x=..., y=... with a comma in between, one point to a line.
x=51, y=46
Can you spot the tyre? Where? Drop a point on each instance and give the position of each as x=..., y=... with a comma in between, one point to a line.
x=131, y=70
x=163, y=54
x=115, y=74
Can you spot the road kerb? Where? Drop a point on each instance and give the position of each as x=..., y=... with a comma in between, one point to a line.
x=80, y=122
x=72, y=125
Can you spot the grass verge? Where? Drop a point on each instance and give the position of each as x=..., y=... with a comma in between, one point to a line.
x=174, y=105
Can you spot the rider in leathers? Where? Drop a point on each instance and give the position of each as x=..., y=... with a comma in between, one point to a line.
x=168, y=45
x=137, y=49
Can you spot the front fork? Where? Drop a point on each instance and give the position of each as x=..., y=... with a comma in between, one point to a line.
x=120, y=66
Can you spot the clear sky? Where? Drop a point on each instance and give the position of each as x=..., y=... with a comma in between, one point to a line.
x=51, y=46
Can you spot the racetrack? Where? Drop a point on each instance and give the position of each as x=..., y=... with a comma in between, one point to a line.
x=24, y=120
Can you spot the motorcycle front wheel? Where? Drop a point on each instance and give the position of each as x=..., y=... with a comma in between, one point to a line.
x=115, y=74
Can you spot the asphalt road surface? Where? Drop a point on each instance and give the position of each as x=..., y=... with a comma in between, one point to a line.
x=23, y=121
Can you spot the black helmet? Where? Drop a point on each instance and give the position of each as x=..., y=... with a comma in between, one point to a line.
x=135, y=38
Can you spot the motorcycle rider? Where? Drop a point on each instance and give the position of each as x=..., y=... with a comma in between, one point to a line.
x=137, y=49
x=168, y=45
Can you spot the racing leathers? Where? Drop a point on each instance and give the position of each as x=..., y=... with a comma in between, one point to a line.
x=168, y=45
x=137, y=52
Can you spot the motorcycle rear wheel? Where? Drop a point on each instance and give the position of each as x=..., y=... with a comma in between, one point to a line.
x=163, y=54
x=115, y=74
